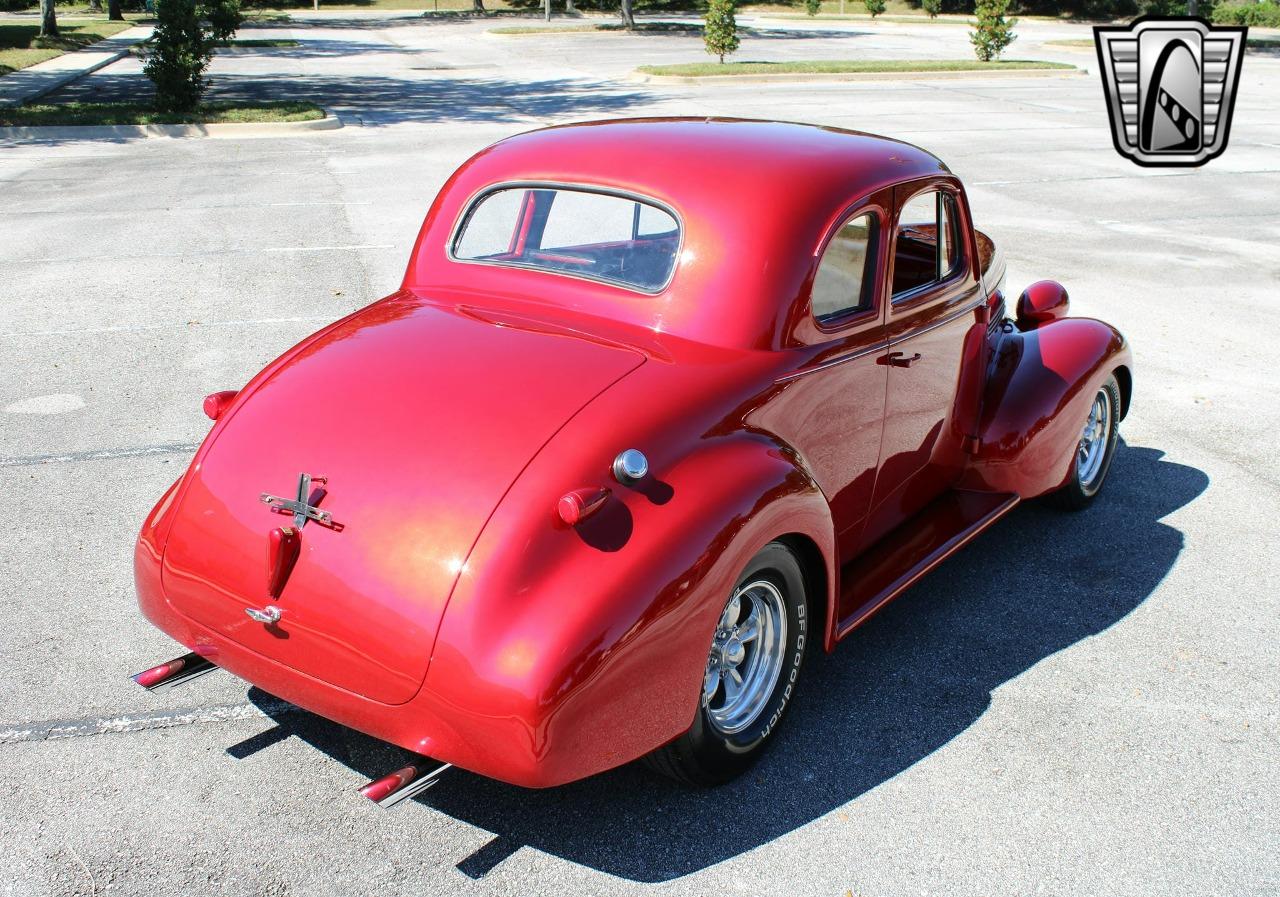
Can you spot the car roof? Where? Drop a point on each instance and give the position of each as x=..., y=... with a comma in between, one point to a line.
x=717, y=154
x=754, y=199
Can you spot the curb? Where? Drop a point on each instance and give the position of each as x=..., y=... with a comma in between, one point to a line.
x=62, y=79
x=852, y=76
x=227, y=129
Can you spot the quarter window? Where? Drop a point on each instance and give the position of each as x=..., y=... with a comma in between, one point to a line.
x=842, y=283
x=926, y=249
x=601, y=236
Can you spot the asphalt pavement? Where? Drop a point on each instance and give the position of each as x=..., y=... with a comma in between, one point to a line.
x=1076, y=704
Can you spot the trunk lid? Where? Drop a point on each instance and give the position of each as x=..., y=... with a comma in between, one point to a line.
x=420, y=416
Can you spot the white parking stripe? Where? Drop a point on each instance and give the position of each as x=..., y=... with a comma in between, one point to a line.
x=102, y=455
x=135, y=328
x=47, y=730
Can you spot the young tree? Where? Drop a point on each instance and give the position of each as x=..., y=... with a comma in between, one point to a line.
x=185, y=35
x=477, y=6
x=875, y=7
x=993, y=32
x=812, y=7
x=721, y=30
x=932, y=7
x=48, y=19
x=628, y=17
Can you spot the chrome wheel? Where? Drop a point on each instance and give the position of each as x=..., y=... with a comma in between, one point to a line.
x=1094, y=439
x=746, y=656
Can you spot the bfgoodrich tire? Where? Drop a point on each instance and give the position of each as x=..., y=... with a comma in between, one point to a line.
x=753, y=668
x=1097, y=446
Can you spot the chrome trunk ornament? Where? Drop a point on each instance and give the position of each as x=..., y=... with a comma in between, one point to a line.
x=268, y=615
x=303, y=508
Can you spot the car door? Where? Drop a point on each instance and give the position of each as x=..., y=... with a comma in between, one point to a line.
x=933, y=297
x=831, y=408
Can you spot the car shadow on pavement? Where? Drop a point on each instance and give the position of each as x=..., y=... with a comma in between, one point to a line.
x=909, y=681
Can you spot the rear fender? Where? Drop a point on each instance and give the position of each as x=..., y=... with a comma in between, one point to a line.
x=586, y=645
x=1038, y=390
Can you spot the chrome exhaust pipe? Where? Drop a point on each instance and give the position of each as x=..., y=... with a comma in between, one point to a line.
x=174, y=672
x=408, y=782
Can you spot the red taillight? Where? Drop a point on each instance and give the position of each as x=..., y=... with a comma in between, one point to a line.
x=576, y=506
x=216, y=402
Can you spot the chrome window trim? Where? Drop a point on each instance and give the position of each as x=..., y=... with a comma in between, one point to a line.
x=956, y=274
x=474, y=201
x=847, y=317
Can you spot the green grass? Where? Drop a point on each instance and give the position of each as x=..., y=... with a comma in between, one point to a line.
x=138, y=114
x=1072, y=42
x=22, y=45
x=843, y=66
x=611, y=27
x=455, y=6
x=864, y=17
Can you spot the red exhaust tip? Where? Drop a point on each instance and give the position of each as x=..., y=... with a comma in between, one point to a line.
x=380, y=789
x=156, y=675
x=174, y=672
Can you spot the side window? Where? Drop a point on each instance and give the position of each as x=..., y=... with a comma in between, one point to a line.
x=843, y=282
x=926, y=249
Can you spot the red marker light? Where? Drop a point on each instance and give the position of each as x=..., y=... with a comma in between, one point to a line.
x=216, y=402
x=576, y=506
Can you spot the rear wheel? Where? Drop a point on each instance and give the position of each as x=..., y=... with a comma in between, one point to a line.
x=1094, y=451
x=752, y=669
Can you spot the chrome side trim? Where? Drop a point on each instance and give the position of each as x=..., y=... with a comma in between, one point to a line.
x=956, y=315
x=852, y=356
x=881, y=346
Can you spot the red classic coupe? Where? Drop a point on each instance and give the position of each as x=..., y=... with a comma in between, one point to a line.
x=659, y=405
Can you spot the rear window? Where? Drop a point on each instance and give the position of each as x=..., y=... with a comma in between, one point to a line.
x=601, y=236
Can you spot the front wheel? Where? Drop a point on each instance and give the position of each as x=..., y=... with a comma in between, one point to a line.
x=1094, y=451
x=752, y=669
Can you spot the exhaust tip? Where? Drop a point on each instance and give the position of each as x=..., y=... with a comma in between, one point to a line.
x=404, y=783
x=174, y=672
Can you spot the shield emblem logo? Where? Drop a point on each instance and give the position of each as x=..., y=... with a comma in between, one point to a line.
x=1171, y=86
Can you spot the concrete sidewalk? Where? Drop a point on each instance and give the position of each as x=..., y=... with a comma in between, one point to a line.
x=29, y=84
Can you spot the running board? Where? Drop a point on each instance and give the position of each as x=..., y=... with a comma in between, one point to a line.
x=891, y=566
x=404, y=783
x=173, y=673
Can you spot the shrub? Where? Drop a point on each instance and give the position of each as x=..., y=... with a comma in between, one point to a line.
x=185, y=35
x=812, y=7
x=875, y=7
x=1259, y=15
x=992, y=32
x=721, y=31
x=932, y=7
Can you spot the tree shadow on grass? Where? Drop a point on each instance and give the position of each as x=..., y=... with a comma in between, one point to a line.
x=913, y=678
x=385, y=101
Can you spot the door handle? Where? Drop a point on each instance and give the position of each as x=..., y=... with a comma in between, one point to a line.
x=899, y=359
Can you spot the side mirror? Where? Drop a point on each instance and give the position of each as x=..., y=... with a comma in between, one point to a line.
x=1043, y=301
